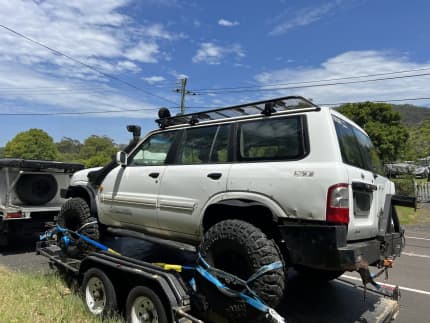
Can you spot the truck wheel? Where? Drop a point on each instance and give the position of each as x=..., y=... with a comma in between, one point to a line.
x=143, y=305
x=74, y=214
x=36, y=189
x=99, y=293
x=242, y=249
x=318, y=275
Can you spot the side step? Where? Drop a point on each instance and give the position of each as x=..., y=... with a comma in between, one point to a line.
x=165, y=242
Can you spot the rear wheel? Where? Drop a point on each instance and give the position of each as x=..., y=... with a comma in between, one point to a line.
x=143, y=305
x=241, y=249
x=99, y=293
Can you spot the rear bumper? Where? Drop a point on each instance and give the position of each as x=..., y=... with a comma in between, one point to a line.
x=326, y=247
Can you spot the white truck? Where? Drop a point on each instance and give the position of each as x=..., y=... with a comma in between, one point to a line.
x=280, y=180
x=30, y=194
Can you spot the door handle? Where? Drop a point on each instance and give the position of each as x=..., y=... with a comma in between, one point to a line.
x=154, y=175
x=215, y=176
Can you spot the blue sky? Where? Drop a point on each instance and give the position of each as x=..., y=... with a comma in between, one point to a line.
x=215, y=44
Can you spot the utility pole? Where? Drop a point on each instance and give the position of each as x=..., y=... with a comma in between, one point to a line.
x=182, y=90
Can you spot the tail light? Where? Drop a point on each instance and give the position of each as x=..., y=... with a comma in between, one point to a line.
x=14, y=215
x=338, y=204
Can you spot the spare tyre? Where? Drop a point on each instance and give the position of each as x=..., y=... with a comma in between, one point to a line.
x=241, y=249
x=36, y=189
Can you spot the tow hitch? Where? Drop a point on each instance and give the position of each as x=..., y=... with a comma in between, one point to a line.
x=368, y=277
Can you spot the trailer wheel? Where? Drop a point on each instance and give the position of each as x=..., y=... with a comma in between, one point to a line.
x=318, y=275
x=242, y=249
x=143, y=305
x=99, y=293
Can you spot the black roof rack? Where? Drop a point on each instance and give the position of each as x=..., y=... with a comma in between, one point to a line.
x=266, y=107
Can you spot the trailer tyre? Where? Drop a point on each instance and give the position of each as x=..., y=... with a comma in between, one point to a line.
x=36, y=189
x=241, y=249
x=143, y=305
x=99, y=293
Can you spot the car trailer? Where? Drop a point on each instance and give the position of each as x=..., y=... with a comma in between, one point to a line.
x=161, y=292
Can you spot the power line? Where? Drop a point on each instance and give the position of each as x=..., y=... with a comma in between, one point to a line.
x=57, y=52
x=377, y=101
x=315, y=85
x=315, y=81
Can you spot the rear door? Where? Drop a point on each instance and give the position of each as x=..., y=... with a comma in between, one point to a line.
x=368, y=186
x=199, y=173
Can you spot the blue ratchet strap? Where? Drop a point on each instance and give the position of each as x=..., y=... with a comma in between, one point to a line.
x=254, y=301
x=81, y=236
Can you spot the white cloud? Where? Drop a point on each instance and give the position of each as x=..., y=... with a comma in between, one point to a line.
x=144, y=52
x=153, y=79
x=211, y=53
x=302, y=17
x=353, y=63
x=24, y=90
x=227, y=23
x=85, y=29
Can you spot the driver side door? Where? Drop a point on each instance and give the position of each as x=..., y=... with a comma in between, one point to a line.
x=130, y=192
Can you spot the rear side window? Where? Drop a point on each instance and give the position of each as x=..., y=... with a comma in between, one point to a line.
x=204, y=145
x=272, y=139
x=356, y=147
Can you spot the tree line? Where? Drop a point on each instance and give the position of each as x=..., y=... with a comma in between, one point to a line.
x=37, y=144
x=393, y=140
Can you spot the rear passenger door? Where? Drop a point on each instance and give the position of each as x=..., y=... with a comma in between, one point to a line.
x=199, y=172
x=369, y=187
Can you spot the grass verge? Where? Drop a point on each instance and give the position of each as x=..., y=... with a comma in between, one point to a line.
x=410, y=216
x=39, y=298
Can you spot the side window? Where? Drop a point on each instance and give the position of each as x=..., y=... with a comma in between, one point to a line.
x=154, y=150
x=219, y=151
x=196, y=145
x=272, y=139
x=348, y=143
x=356, y=147
x=204, y=145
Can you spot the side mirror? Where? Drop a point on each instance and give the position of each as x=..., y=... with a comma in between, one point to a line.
x=121, y=158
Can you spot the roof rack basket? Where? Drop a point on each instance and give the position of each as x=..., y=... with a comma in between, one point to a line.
x=266, y=107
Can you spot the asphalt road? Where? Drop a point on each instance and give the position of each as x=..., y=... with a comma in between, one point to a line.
x=331, y=302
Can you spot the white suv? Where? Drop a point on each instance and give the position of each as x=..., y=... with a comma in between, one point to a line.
x=277, y=180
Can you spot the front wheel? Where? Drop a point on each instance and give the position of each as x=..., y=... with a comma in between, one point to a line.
x=99, y=293
x=143, y=305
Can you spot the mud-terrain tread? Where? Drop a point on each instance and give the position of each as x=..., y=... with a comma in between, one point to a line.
x=78, y=209
x=260, y=251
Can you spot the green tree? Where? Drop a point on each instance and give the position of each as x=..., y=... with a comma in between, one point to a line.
x=32, y=144
x=418, y=145
x=383, y=126
x=69, y=149
x=97, y=151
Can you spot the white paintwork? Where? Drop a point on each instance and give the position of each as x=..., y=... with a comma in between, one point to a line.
x=173, y=204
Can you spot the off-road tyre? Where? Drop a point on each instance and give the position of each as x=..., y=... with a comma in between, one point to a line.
x=96, y=286
x=36, y=189
x=74, y=214
x=143, y=303
x=317, y=275
x=240, y=248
